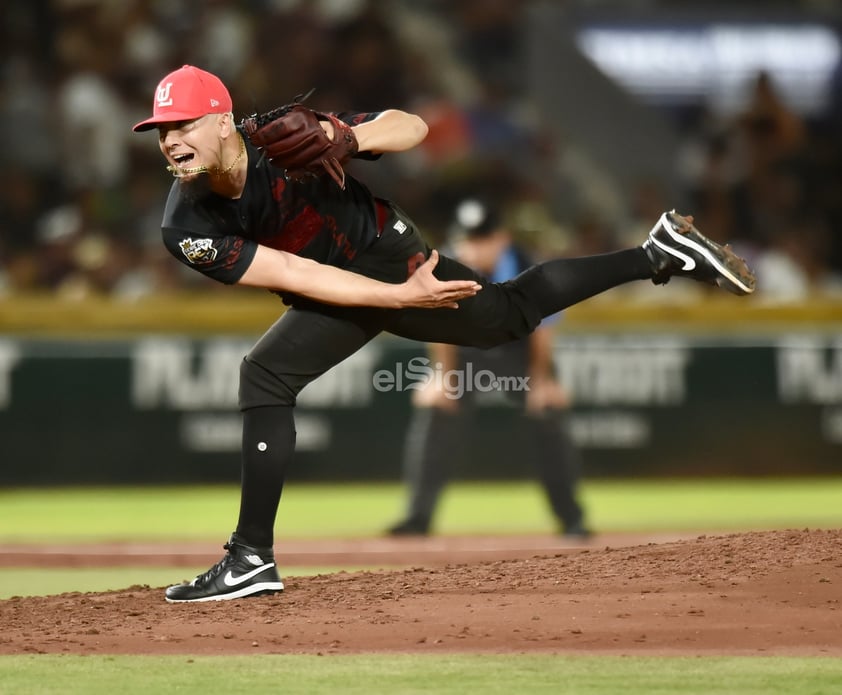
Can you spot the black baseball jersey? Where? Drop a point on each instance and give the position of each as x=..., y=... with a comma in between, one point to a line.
x=312, y=218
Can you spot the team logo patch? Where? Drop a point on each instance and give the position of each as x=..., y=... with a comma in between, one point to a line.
x=198, y=251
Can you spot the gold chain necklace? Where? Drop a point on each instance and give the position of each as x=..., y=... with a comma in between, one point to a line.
x=236, y=159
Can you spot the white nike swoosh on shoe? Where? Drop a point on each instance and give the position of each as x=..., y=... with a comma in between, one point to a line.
x=720, y=264
x=689, y=263
x=244, y=592
x=230, y=580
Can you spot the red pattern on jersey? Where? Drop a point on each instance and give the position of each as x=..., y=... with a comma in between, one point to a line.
x=300, y=230
x=232, y=253
x=414, y=263
x=278, y=188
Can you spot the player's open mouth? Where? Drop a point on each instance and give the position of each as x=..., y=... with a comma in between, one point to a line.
x=182, y=168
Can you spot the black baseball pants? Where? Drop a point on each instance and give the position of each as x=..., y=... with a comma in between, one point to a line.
x=310, y=338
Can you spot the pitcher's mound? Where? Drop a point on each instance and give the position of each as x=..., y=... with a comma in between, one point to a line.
x=775, y=592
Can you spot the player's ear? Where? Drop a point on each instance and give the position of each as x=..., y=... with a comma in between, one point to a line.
x=225, y=122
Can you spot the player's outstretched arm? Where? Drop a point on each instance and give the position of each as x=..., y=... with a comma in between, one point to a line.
x=392, y=131
x=286, y=272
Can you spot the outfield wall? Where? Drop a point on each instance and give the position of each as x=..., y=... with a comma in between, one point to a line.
x=162, y=407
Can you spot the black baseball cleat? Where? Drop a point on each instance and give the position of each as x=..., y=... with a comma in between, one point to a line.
x=410, y=527
x=244, y=571
x=676, y=247
x=578, y=532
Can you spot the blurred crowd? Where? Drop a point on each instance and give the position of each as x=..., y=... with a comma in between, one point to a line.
x=81, y=196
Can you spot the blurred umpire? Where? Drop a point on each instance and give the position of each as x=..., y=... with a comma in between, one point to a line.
x=441, y=422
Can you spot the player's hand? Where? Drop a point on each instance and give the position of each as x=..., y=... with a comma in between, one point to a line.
x=433, y=395
x=424, y=290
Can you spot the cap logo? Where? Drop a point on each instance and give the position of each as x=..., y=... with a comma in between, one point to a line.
x=163, y=97
x=214, y=103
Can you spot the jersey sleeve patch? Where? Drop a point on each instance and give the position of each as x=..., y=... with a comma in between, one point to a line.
x=198, y=251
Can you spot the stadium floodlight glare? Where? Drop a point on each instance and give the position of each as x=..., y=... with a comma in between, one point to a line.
x=713, y=63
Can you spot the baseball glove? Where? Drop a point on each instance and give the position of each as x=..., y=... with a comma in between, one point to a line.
x=291, y=137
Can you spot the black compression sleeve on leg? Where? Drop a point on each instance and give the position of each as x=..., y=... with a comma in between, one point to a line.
x=268, y=447
x=560, y=283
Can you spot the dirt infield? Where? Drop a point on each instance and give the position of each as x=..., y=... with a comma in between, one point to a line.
x=775, y=592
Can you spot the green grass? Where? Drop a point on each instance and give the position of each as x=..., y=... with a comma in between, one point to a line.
x=319, y=511
x=406, y=674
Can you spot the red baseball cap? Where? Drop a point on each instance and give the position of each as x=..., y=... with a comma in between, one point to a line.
x=185, y=94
